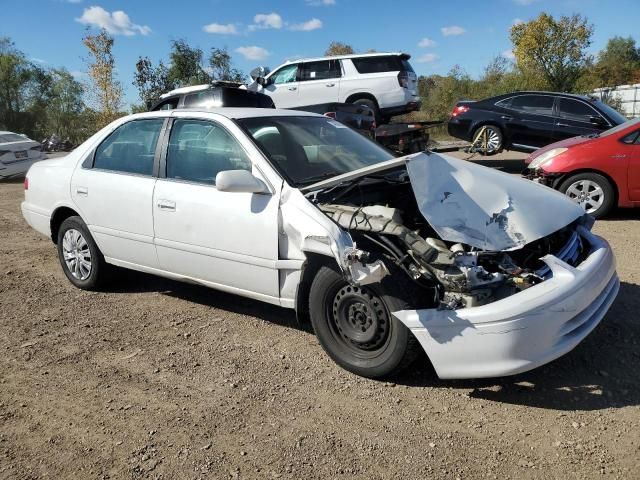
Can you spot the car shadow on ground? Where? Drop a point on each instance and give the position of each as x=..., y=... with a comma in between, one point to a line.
x=600, y=373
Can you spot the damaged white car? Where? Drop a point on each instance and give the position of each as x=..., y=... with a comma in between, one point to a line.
x=489, y=274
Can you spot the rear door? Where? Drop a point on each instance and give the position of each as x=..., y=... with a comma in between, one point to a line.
x=283, y=86
x=575, y=117
x=319, y=82
x=532, y=121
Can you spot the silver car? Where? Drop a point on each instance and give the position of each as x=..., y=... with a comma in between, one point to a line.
x=17, y=153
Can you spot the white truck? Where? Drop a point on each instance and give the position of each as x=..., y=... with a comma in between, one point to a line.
x=384, y=82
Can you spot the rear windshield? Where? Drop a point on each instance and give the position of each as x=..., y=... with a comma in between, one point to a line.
x=391, y=63
x=12, y=137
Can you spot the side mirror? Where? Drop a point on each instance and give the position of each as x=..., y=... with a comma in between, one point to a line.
x=259, y=72
x=239, y=181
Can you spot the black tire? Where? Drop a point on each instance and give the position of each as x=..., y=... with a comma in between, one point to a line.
x=373, y=106
x=582, y=188
x=98, y=271
x=495, y=135
x=341, y=313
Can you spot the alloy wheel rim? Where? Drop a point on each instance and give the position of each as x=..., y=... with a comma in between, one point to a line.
x=586, y=193
x=493, y=140
x=76, y=254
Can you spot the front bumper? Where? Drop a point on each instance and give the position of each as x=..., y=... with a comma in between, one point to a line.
x=525, y=330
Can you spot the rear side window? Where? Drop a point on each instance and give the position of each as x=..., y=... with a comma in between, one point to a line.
x=391, y=63
x=171, y=104
x=320, y=70
x=12, y=137
x=535, y=104
x=198, y=150
x=130, y=148
x=575, y=110
x=204, y=99
x=235, y=97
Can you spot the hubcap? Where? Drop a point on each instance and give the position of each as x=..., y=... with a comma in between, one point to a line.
x=360, y=319
x=76, y=253
x=586, y=193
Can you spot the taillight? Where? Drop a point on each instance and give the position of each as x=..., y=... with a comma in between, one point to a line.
x=403, y=79
x=459, y=110
x=26, y=183
x=330, y=115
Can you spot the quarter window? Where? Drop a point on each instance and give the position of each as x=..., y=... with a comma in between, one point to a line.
x=198, y=150
x=286, y=74
x=130, y=148
x=575, y=110
x=534, y=104
x=379, y=63
x=632, y=139
x=320, y=70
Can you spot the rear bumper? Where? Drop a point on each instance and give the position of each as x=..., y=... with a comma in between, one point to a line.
x=523, y=331
x=36, y=218
x=459, y=129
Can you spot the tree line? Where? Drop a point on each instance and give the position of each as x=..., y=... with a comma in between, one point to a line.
x=548, y=54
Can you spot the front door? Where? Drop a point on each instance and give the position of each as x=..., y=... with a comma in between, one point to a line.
x=225, y=239
x=113, y=192
x=575, y=117
x=283, y=87
x=319, y=82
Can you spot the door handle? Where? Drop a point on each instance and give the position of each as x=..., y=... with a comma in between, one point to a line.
x=82, y=191
x=293, y=88
x=167, y=205
x=506, y=117
x=330, y=84
x=561, y=125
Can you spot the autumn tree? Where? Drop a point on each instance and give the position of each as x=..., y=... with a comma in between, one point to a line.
x=338, y=48
x=104, y=88
x=555, y=49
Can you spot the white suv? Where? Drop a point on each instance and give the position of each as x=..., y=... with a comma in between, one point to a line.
x=385, y=82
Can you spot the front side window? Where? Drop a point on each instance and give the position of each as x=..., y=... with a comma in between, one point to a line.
x=130, y=148
x=322, y=70
x=199, y=149
x=534, y=104
x=306, y=150
x=286, y=74
x=576, y=110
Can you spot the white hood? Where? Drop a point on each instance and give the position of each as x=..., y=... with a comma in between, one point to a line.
x=485, y=208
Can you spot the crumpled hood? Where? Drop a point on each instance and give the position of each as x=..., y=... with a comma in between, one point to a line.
x=485, y=208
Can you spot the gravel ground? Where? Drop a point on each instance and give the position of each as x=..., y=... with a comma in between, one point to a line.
x=157, y=379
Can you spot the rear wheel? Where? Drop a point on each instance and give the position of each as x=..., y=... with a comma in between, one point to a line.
x=354, y=325
x=80, y=257
x=593, y=192
x=487, y=140
x=373, y=106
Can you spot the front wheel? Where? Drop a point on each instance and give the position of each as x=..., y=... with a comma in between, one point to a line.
x=593, y=192
x=354, y=325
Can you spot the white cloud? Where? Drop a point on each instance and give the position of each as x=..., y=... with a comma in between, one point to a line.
x=38, y=60
x=116, y=23
x=426, y=42
x=320, y=3
x=452, y=31
x=427, y=57
x=267, y=20
x=253, y=52
x=228, y=29
x=517, y=21
x=508, y=54
x=77, y=74
x=312, y=24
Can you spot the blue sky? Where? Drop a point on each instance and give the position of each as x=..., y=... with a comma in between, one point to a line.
x=438, y=34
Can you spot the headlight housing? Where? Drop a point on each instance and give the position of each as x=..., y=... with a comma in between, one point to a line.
x=540, y=160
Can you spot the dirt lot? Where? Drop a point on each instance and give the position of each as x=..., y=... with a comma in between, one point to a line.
x=156, y=379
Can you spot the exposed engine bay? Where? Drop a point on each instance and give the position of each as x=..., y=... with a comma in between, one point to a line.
x=392, y=236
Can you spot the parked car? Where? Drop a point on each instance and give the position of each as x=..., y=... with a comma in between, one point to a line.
x=526, y=121
x=17, y=154
x=211, y=95
x=383, y=254
x=597, y=171
x=384, y=82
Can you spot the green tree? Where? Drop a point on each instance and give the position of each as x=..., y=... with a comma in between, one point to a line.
x=151, y=81
x=104, y=89
x=186, y=65
x=338, y=48
x=221, y=67
x=556, y=49
x=65, y=106
x=617, y=63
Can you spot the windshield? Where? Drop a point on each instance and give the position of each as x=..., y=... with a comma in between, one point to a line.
x=619, y=128
x=612, y=113
x=306, y=150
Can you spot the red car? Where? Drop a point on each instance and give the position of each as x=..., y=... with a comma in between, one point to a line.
x=597, y=171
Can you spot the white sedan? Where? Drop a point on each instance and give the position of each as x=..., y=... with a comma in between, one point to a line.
x=490, y=274
x=17, y=154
